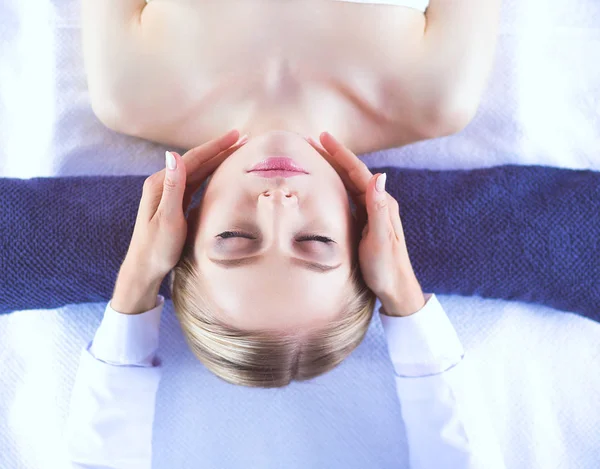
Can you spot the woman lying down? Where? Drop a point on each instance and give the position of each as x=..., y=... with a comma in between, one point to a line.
x=275, y=274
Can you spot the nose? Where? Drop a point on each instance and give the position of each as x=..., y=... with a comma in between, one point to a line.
x=277, y=212
x=281, y=196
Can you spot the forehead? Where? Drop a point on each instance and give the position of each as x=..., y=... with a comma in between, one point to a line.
x=268, y=298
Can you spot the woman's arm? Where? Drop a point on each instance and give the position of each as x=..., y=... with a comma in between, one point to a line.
x=113, y=399
x=447, y=82
x=112, y=404
x=446, y=422
x=131, y=59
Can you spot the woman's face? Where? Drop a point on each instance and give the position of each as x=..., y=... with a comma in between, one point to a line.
x=252, y=243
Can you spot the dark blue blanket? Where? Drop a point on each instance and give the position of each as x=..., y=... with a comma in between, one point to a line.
x=527, y=233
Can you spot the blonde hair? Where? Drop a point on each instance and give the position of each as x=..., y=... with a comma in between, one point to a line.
x=266, y=359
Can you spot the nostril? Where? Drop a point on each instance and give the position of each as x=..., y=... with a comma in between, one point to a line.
x=288, y=196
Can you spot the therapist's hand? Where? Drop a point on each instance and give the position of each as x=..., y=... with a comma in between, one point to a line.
x=383, y=256
x=161, y=227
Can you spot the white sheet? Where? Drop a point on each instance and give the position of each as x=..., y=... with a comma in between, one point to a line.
x=540, y=369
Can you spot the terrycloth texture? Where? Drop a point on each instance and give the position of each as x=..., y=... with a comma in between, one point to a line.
x=537, y=368
x=512, y=232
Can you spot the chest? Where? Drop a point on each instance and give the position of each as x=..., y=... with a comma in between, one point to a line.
x=322, y=63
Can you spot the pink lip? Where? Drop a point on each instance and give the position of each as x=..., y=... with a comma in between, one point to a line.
x=273, y=173
x=279, y=166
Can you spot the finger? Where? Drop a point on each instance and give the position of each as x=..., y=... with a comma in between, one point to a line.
x=197, y=172
x=151, y=195
x=195, y=180
x=319, y=148
x=358, y=199
x=332, y=161
x=203, y=160
x=316, y=145
x=189, y=191
x=395, y=219
x=171, y=202
x=357, y=195
x=352, y=170
x=377, y=209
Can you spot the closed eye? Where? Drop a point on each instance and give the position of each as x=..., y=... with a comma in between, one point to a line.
x=240, y=234
x=235, y=234
x=321, y=239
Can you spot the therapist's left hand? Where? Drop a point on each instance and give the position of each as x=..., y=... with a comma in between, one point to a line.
x=161, y=227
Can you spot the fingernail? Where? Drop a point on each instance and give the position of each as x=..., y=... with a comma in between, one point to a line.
x=242, y=139
x=170, y=161
x=380, y=184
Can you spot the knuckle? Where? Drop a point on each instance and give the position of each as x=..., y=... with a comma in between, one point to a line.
x=165, y=218
x=381, y=204
x=162, y=216
x=170, y=184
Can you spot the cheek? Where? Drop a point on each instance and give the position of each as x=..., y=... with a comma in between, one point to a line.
x=207, y=216
x=334, y=207
x=215, y=194
x=193, y=224
x=335, y=203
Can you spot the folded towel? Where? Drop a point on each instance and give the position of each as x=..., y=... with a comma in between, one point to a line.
x=527, y=233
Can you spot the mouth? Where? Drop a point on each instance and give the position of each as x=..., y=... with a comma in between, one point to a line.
x=277, y=173
x=278, y=166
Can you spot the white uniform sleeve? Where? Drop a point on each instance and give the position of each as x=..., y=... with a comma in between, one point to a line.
x=113, y=399
x=446, y=423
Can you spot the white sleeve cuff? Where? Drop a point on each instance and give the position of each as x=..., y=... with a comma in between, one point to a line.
x=128, y=339
x=424, y=343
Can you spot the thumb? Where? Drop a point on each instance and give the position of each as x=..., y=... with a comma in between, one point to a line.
x=377, y=208
x=171, y=202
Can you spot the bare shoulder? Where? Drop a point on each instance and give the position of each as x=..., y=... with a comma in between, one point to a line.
x=181, y=73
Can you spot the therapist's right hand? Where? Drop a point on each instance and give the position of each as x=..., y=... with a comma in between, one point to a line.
x=161, y=227
x=383, y=256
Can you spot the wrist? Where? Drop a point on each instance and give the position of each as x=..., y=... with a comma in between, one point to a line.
x=404, y=301
x=135, y=292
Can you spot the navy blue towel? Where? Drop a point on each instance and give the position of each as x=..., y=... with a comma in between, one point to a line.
x=527, y=233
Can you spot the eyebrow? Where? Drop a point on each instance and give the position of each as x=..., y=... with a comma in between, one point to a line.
x=308, y=265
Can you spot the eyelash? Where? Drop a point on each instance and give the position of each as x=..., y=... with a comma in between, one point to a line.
x=239, y=234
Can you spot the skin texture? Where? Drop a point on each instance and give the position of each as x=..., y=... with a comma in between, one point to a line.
x=290, y=299
x=183, y=72
x=274, y=292
x=315, y=66
x=161, y=226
